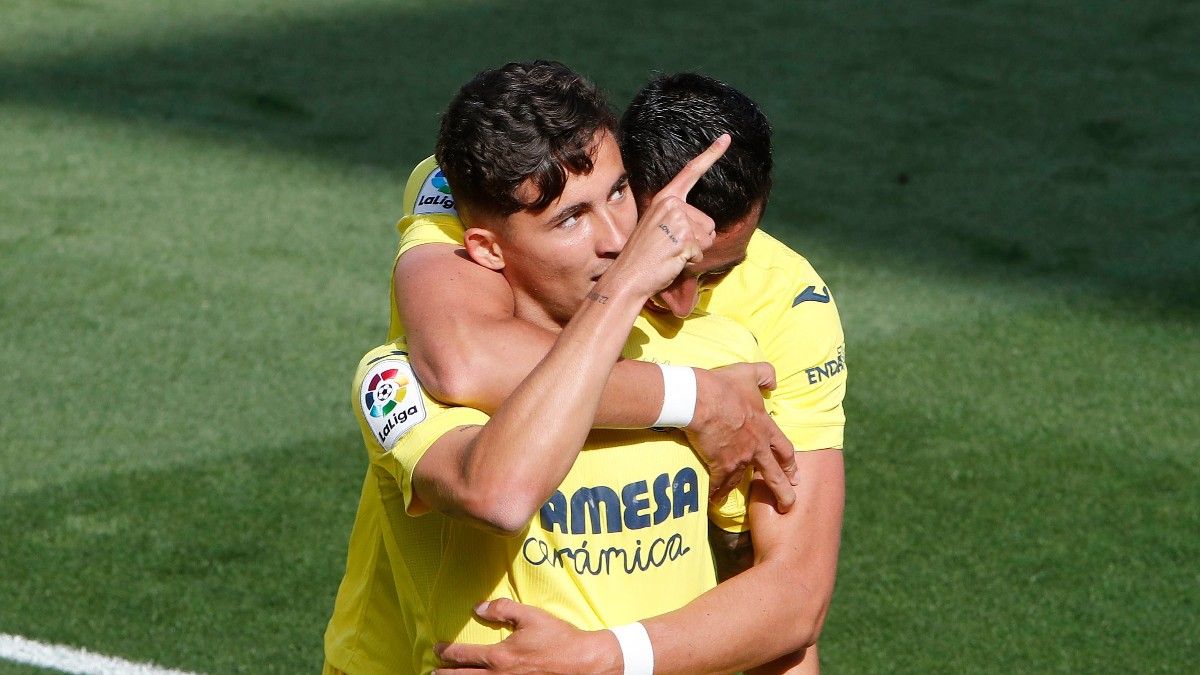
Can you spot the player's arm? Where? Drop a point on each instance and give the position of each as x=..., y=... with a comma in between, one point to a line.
x=733, y=553
x=468, y=349
x=499, y=474
x=775, y=608
x=803, y=337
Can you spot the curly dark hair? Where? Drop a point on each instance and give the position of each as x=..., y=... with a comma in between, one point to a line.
x=533, y=121
x=674, y=118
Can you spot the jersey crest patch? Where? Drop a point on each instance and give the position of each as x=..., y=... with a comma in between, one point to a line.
x=434, y=197
x=391, y=401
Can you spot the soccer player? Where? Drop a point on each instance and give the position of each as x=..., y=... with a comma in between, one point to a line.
x=450, y=499
x=534, y=270
x=746, y=275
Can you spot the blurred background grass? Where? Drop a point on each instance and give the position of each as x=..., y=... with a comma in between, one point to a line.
x=196, y=209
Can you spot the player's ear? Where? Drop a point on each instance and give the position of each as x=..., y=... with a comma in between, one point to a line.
x=484, y=248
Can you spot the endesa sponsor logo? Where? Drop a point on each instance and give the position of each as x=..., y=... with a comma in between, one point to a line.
x=602, y=509
x=828, y=369
x=596, y=561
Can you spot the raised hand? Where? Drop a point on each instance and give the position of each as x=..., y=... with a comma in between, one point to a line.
x=670, y=233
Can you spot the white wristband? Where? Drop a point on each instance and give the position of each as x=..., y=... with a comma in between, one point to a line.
x=636, y=650
x=679, y=396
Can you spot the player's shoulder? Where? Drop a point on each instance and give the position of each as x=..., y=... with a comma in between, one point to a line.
x=723, y=334
x=767, y=256
x=775, y=275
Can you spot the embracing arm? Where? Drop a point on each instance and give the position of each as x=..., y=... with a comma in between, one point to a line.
x=773, y=609
x=499, y=474
x=733, y=553
x=778, y=605
x=468, y=349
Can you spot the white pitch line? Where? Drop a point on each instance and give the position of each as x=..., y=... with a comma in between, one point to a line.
x=72, y=660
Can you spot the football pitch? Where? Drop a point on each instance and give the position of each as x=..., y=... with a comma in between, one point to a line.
x=196, y=230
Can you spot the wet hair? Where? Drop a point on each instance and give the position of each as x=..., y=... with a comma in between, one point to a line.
x=535, y=121
x=673, y=119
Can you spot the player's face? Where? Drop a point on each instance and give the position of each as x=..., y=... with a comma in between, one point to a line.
x=553, y=258
x=726, y=253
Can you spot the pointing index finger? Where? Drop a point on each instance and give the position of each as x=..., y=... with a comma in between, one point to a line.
x=686, y=179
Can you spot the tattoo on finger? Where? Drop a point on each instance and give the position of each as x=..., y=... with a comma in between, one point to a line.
x=667, y=230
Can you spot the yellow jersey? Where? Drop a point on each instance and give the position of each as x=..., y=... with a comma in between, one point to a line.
x=625, y=535
x=776, y=294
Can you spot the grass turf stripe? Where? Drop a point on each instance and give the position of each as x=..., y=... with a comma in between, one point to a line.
x=71, y=660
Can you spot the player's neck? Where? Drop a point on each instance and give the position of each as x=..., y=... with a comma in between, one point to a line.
x=528, y=309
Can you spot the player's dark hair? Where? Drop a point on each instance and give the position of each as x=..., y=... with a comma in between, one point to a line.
x=532, y=121
x=674, y=118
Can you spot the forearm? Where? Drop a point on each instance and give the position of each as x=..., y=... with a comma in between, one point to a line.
x=746, y=621
x=805, y=662
x=499, y=355
x=778, y=605
x=527, y=447
x=468, y=349
x=733, y=554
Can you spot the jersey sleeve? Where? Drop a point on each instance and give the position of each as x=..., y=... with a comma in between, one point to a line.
x=399, y=422
x=429, y=218
x=802, y=337
x=417, y=230
x=782, y=300
x=429, y=212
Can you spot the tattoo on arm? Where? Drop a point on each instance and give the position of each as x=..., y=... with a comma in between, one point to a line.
x=596, y=297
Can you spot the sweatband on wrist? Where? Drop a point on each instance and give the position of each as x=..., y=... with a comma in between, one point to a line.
x=636, y=650
x=679, y=396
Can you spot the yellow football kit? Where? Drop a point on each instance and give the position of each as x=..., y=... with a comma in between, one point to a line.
x=625, y=536
x=775, y=293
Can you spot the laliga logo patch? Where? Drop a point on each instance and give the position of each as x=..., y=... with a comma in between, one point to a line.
x=439, y=181
x=381, y=392
x=435, y=197
x=391, y=401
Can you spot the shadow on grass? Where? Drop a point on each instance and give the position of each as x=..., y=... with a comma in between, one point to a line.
x=245, y=553
x=1055, y=141
x=975, y=518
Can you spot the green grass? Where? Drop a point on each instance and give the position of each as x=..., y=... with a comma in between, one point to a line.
x=196, y=208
